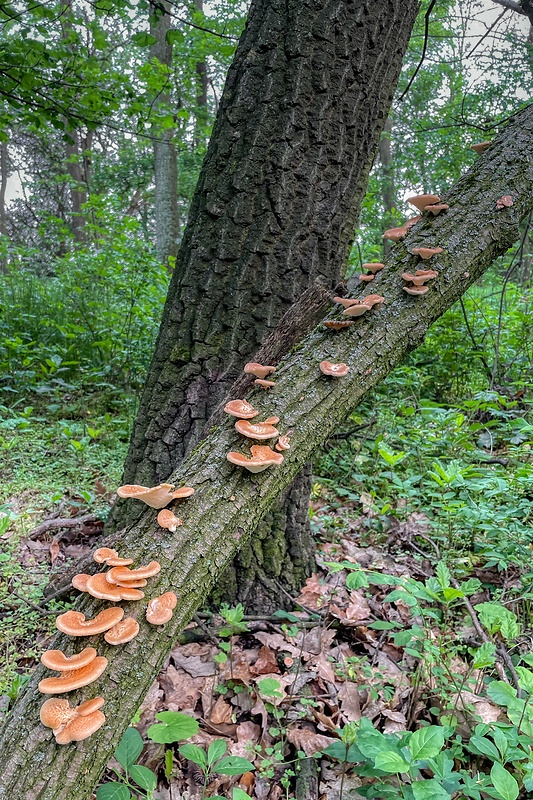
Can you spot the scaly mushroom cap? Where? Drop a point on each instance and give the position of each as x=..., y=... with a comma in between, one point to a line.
x=125, y=575
x=373, y=267
x=262, y=458
x=426, y=252
x=111, y=557
x=160, y=608
x=422, y=275
x=283, y=443
x=409, y=223
x=56, y=712
x=416, y=290
x=156, y=496
x=436, y=208
x=241, y=409
x=73, y=623
x=373, y=300
x=356, y=310
x=395, y=234
x=338, y=325
x=334, y=370
x=55, y=659
x=89, y=706
x=480, y=147
x=423, y=200
x=99, y=586
x=264, y=385
x=366, y=278
x=261, y=431
x=122, y=632
x=80, y=728
x=79, y=581
x=259, y=370
x=140, y=583
x=74, y=678
x=166, y=519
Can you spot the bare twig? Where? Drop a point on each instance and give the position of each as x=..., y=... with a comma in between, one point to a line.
x=62, y=522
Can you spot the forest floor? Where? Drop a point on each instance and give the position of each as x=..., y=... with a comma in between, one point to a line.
x=420, y=603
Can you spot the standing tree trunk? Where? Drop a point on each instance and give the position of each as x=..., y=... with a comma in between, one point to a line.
x=229, y=502
x=165, y=159
x=201, y=115
x=388, y=190
x=275, y=209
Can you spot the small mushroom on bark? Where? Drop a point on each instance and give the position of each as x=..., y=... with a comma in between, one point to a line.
x=73, y=623
x=373, y=300
x=416, y=290
x=110, y=557
x=436, y=208
x=480, y=147
x=262, y=457
x=160, y=608
x=426, y=252
x=347, y=302
x=334, y=370
x=373, y=267
x=98, y=586
x=504, y=202
x=357, y=310
x=423, y=200
x=338, y=325
x=259, y=370
x=420, y=277
x=241, y=409
x=122, y=632
x=264, y=384
x=283, y=443
x=166, y=519
x=124, y=575
x=157, y=496
x=257, y=431
x=409, y=223
x=366, y=278
x=72, y=724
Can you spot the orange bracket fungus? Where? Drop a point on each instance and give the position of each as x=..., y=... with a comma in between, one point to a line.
x=436, y=208
x=409, y=223
x=262, y=458
x=73, y=623
x=366, y=278
x=338, y=325
x=373, y=267
x=423, y=200
x=334, y=370
x=166, y=519
x=57, y=660
x=123, y=576
x=160, y=608
x=110, y=557
x=426, y=252
x=420, y=277
x=98, y=586
x=395, y=234
x=259, y=431
x=373, y=300
x=79, y=581
x=504, y=202
x=122, y=632
x=241, y=409
x=260, y=371
x=157, y=496
x=416, y=290
x=283, y=443
x=264, y=384
x=346, y=301
x=72, y=724
x=357, y=310
x=74, y=678
x=480, y=147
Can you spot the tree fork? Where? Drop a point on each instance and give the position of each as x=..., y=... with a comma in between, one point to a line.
x=230, y=502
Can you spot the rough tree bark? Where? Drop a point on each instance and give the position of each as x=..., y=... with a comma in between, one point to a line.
x=229, y=502
x=304, y=105
x=388, y=187
x=165, y=158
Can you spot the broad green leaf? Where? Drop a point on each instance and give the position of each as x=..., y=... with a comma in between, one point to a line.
x=174, y=36
x=130, y=748
x=357, y=580
x=501, y=693
x=269, y=687
x=383, y=625
x=143, y=39
x=338, y=750
x=143, y=777
x=113, y=791
x=525, y=679
x=195, y=754
x=174, y=728
x=427, y=742
x=233, y=765
x=429, y=790
x=504, y=783
x=239, y=794
x=483, y=746
x=443, y=575
x=216, y=750
x=390, y=762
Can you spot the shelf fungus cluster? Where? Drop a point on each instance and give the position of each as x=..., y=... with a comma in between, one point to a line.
x=120, y=582
x=418, y=280
x=261, y=372
x=370, y=270
x=156, y=496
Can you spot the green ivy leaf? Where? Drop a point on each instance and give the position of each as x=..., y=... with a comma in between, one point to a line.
x=129, y=749
x=233, y=765
x=504, y=783
x=427, y=742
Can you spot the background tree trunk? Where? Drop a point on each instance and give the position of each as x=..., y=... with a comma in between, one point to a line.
x=165, y=158
x=275, y=209
x=388, y=188
x=229, y=502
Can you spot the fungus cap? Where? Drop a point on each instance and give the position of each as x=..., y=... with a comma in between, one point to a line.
x=122, y=632
x=125, y=575
x=88, y=706
x=160, y=608
x=426, y=252
x=423, y=200
x=79, y=581
x=480, y=147
x=347, y=302
x=416, y=290
x=373, y=267
x=504, y=202
x=155, y=497
x=409, y=223
x=55, y=713
x=283, y=443
x=80, y=728
x=338, y=325
x=73, y=623
x=259, y=432
x=421, y=276
x=262, y=458
x=138, y=583
x=264, y=384
x=259, y=370
x=56, y=659
x=395, y=234
x=166, y=519
x=74, y=678
x=111, y=557
x=436, y=208
x=98, y=586
x=334, y=370
x=366, y=278
x=241, y=409
x=356, y=310
x=373, y=300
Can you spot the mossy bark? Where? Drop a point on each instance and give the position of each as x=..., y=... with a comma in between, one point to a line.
x=275, y=209
x=229, y=502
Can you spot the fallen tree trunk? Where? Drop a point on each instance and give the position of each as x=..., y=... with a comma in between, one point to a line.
x=229, y=502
